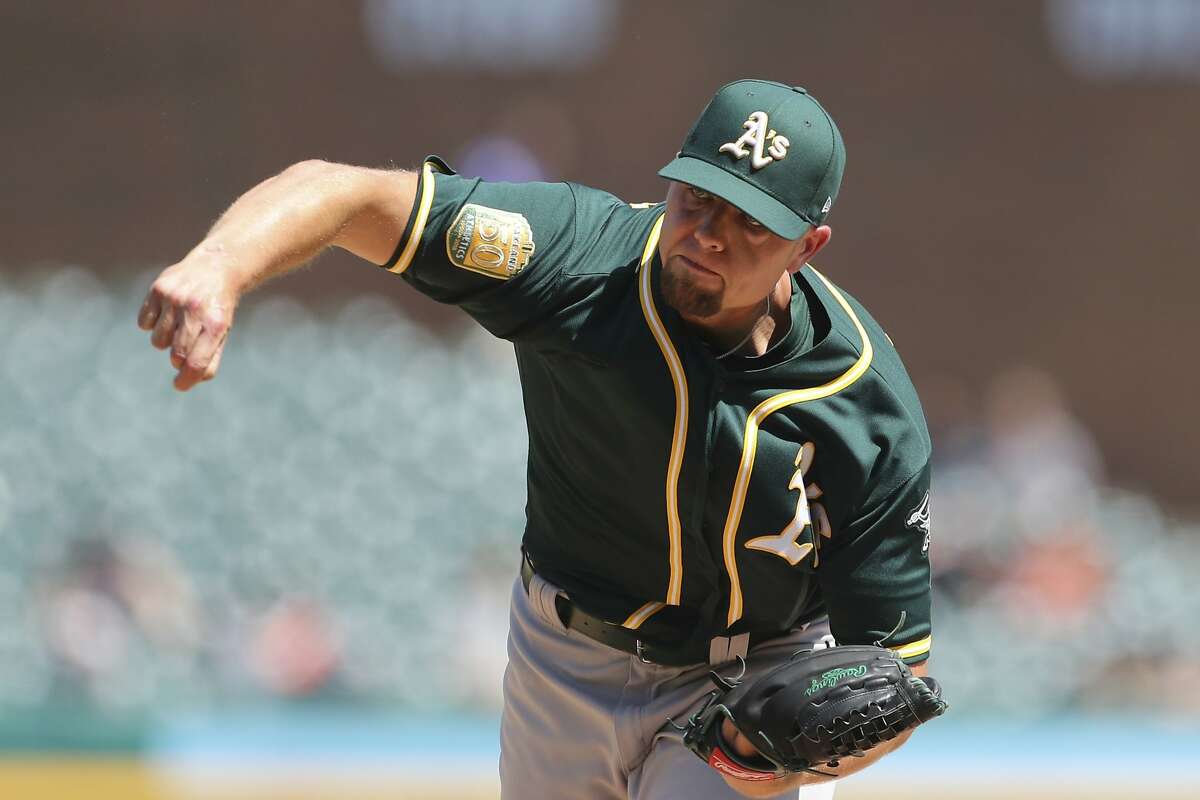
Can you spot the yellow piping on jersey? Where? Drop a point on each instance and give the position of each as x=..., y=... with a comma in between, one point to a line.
x=642, y=614
x=678, y=439
x=414, y=239
x=914, y=649
x=750, y=444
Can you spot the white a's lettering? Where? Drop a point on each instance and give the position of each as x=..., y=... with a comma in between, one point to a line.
x=784, y=544
x=755, y=138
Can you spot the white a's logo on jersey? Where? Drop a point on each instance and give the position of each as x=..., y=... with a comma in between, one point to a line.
x=784, y=544
x=757, y=134
x=918, y=520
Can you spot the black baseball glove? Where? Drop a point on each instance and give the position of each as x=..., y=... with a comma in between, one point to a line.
x=812, y=710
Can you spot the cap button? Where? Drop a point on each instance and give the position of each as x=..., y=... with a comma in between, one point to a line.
x=800, y=89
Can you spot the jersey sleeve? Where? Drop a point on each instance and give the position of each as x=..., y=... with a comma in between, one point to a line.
x=494, y=249
x=874, y=575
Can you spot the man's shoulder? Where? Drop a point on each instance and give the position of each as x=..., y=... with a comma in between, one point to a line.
x=588, y=227
x=882, y=426
x=610, y=232
x=606, y=204
x=866, y=341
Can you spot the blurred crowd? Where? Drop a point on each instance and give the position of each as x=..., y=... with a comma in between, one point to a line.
x=336, y=520
x=1053, y=590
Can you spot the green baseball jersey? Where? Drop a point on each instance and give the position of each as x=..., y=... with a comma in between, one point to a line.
x=670, y=491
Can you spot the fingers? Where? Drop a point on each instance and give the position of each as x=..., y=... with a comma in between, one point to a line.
x=734, y=738
x=186, y=334
x=190, y=310
x=215, y=364
x=148, y=314
x=202, y=360
x=164, y=328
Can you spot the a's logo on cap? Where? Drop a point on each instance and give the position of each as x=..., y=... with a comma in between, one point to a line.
x=756, y=136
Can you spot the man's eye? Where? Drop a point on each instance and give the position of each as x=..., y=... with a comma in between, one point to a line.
x=700, y=194
x=751, y=222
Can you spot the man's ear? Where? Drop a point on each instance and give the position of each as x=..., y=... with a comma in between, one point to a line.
x=811, y=244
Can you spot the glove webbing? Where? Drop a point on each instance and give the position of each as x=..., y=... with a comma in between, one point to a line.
x=859, y=738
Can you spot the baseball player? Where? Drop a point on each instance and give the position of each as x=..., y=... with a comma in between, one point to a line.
x=728, y=464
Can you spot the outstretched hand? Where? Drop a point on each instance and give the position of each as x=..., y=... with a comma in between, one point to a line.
x=189, y=309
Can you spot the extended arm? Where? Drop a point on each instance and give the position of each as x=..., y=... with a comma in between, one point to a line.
x=274, y=228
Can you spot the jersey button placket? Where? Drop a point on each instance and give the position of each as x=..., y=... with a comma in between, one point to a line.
x=704, y=482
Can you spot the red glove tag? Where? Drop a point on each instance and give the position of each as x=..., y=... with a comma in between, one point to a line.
x=723, y=763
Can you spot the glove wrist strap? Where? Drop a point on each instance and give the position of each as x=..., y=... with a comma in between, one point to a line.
x=729, y=764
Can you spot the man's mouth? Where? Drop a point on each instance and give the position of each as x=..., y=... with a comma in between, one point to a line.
x=692, y=265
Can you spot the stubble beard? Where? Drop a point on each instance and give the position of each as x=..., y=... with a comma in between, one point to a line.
x=687, y=297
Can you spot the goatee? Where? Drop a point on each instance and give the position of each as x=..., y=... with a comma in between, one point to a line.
x=685, y=296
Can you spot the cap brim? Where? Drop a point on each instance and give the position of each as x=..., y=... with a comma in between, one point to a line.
x=778, y=218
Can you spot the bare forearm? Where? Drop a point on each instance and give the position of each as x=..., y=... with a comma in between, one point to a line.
x=285, y=221
x=274, y=228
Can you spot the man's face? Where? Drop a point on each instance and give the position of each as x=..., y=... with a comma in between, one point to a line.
x=716, y=259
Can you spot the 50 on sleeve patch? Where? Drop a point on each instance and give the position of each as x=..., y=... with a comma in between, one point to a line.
x=490, y=241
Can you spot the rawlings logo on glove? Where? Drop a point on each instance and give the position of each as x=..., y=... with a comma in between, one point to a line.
x=812, y=710
x=834, y=676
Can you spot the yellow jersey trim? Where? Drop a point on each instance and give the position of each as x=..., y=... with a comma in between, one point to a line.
x=679, y=438
x=914, y=649
x=750, y=444
x=642, y=614
x=414, y=238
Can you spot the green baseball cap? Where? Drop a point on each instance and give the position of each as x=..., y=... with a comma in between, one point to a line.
x=770, y=149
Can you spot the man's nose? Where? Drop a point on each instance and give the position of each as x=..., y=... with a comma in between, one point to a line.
x=708, y=232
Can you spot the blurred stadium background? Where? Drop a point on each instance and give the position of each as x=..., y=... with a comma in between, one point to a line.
x=287, y=583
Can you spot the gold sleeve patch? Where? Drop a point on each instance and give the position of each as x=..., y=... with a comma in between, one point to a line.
x=490, y=241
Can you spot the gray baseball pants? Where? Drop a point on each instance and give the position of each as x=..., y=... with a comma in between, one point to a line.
x=584, y=721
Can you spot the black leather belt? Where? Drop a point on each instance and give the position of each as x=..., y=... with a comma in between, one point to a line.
x=624, y=639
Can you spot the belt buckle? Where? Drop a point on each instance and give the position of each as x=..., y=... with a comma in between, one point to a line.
x=641, y=651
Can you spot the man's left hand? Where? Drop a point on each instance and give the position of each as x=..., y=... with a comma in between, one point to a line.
x=846, y=725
